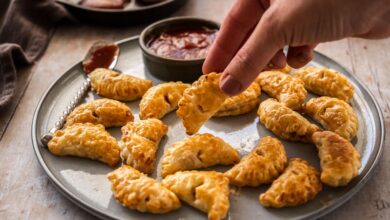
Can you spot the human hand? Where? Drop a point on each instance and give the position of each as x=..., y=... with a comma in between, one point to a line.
x=255, y=32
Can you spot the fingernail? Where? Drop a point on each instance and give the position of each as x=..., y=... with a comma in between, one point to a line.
x=278, y=63
x=230, y=85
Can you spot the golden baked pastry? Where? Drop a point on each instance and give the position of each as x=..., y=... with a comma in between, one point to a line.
x=201, y=101
x=284, y=122
x=161, y=99
x=198, y=151
x=85, y=140
x=118, y=86
x=298, y=184
x=137, y=191
x=261, y=166
x=340, y=161
x=140, y=141
x=207, y=191
x=334, y=114
x=286, y=89
x=107, y=112
x=242, y=103
x=327, y=82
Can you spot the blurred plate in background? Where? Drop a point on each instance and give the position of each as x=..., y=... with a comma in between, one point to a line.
x=134, y=12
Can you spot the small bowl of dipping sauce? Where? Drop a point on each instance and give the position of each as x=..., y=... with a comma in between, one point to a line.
x=174, y=49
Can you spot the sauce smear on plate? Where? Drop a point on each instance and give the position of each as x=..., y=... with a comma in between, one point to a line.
x=101, y=55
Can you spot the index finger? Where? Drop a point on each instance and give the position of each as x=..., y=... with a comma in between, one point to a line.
x=234, y=31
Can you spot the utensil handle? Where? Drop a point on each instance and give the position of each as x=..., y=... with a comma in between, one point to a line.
x=71, y=106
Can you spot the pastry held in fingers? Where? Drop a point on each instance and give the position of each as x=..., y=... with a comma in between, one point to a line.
x=261, y=166
x=140, y=141
x=242, y=103
x=85, y=140
x=198, y=151
x=118, y=86
x=135, y=190
x=286, y=89
x=284, y=122
x=207, y=191
x=299, y=183
x=333, y=114
x=326, y=82
x=107, y=112
x=340, y=161
x=161, y=99
x=200, y=102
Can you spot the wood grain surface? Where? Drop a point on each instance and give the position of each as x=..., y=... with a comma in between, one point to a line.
x=25, y=190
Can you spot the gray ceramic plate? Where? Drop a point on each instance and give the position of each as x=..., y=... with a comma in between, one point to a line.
x=84, y=181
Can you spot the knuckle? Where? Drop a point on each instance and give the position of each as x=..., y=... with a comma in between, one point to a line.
x=245, y=61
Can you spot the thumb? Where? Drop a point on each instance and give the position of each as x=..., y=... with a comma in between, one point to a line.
x=253, y=56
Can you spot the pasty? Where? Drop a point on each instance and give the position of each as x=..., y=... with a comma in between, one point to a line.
x=107, y=112
x=198, y=151
x=242, y=103
x=286, y=89
x=207, y=191
x=340, y=161
x=334, y=114
x=326, y=82
x=85, y=140
x=140, y=141
x=135, y=190
x=298, y=184
x=161, y=99
x=200, y=102
x=261, y=166
x=284, y=122
x=118, y=86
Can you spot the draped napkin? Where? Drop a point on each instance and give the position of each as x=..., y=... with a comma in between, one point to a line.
x=26, y=28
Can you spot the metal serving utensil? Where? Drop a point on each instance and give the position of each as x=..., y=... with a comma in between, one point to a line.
x=81, y=92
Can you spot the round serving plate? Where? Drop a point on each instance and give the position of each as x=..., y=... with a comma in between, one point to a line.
x=133, y=13
x=84, y=181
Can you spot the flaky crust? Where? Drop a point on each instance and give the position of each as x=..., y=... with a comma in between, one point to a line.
x=85, y=140
x=161, y=99
x=261, y=166
x=201, y=101
x=333, y=114
x=298, y=184
x=135, y=190
x=286, y=89
x=284, y=122
x=198, y=151
x=327, y=82
x=140, y=141
x=242, y=103
x=340, y=161
x=107, y=112
x=114, y=85
x=207, y=191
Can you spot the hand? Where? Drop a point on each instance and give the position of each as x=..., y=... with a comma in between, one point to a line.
x=255, y=32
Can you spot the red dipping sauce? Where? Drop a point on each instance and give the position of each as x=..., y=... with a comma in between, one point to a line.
x=184, y=44
x=100, y=55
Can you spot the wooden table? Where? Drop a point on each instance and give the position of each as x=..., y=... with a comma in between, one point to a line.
x=25, y=190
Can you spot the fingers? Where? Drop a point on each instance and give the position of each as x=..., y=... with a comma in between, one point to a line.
x=278, y=61
x=298, y=57
x=234, y=31
x=253, y=56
